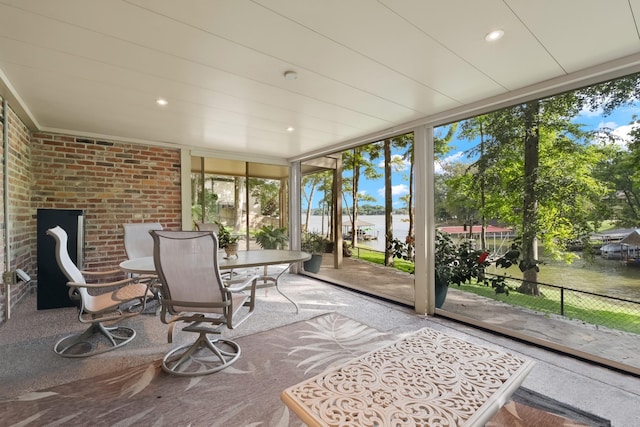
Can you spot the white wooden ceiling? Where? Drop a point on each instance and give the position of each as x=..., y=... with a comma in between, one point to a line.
x=96, y=67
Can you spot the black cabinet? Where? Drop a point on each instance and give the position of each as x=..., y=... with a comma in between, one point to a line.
x=53, y=291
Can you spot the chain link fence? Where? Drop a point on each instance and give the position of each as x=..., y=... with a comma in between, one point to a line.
x=597, y=309
x=612, y=312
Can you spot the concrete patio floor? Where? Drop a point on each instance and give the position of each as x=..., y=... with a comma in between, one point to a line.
x=28, y=362
x=553, y=331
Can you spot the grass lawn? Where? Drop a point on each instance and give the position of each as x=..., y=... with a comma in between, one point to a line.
x=607, y=225
x=377, y=257
x=588, y=308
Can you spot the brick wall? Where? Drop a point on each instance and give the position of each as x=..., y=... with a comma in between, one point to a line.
x=21, y=228
x=112, y=182
x=3, y=296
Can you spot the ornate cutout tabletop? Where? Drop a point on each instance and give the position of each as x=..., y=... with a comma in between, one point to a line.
x=426, y=379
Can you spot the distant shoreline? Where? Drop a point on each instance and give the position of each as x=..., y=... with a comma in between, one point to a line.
x=400, y=227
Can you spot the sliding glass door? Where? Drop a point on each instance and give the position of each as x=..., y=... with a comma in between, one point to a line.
x=242, y=196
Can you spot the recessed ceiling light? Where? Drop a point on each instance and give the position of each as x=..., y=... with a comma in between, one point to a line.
x=290, y=129
x=162, y=101
x=290, y=75
x=494, y=35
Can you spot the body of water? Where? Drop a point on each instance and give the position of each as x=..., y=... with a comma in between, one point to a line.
x=604, y=276
x=400, y=228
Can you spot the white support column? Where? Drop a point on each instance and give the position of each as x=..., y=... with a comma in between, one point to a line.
x=424, y=220
x=295, y=180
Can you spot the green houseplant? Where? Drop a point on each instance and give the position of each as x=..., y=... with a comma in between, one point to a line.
x=457, y=263
x=451, y=265
x=315, y=244
x=227, y=241
x=270, y=237
x=461, y=263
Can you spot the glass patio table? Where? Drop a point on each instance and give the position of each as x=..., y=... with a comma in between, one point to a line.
x=244, y=259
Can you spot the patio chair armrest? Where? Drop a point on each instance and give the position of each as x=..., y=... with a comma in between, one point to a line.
x=148, y=279
x=101, y=285
x=100, y=273
x=241, y=284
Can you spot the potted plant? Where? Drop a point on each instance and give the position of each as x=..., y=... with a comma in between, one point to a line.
x=457, y=263
x=315, y=244
x=346, y=249
x=227, y=241
x=447, y=263
x=270, y=237
x=460, y=263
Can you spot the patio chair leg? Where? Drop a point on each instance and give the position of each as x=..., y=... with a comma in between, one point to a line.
x=178, y=360
x=80, y=345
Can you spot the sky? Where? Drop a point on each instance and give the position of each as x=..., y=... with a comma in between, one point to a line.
x=619, y=121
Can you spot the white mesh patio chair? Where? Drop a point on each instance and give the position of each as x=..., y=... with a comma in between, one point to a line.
x=208, y=226
x=137, y=240
x=139, y=244
x=98, y=301
x=195, y=294
x=215, y=228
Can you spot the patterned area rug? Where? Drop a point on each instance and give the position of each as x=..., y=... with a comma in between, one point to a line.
x=245, y=394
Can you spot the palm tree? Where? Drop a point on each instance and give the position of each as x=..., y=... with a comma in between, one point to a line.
x=359, y=161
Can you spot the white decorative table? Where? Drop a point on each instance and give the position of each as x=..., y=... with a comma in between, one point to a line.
x=426, y=379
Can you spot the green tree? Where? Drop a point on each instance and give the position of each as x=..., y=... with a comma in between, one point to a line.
x=460, y=196
x=388, y=204
x=326, y=203
x=309, y=185
x=530, y=224
x=470, y=129
x=524, y=147
x=405, y=143
x=621, y=168
x=267, y=194
x=359, y=161
x=620, y=171
x=204, y=202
